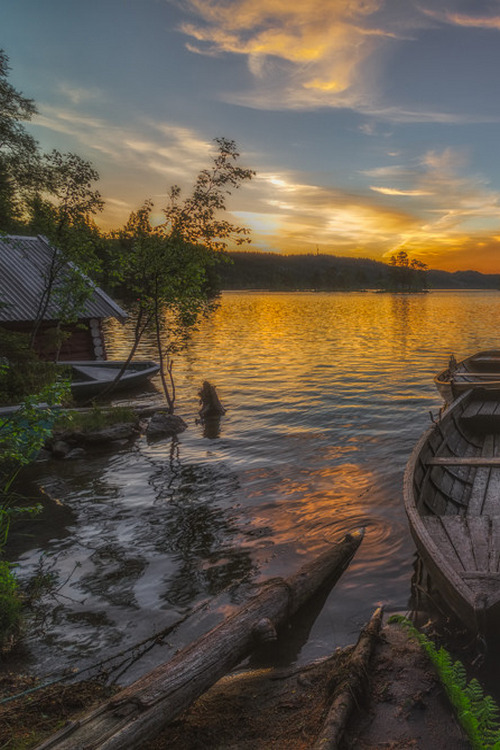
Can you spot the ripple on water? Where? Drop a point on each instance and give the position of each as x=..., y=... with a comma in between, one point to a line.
x=326, y=395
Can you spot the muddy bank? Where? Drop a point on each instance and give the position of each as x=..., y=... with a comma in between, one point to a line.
x=404, y=706
x=269, y=709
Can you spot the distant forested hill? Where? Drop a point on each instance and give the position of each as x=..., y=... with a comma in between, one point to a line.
x=254, y=270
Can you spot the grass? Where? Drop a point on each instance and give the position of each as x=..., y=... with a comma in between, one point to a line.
x=94, y=419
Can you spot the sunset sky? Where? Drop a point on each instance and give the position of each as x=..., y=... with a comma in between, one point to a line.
x=373, y=126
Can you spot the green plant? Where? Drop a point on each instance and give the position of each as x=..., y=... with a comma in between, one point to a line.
x=10, y=603
x=95, y=418
x=477, y=713
x=167, y=267
x=22, y=434
x=21, y=371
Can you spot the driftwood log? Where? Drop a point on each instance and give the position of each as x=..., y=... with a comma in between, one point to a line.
x=140, y=711
x=347, y=696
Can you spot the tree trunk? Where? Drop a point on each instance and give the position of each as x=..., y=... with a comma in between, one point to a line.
x=140, y=711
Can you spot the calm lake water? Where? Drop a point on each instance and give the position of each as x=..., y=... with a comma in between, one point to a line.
x=326, y=395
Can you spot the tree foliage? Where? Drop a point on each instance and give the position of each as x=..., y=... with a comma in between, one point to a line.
x=199, y=217
x=20, y=167
x=409, y=274
x=65, y=218
x=167, y=267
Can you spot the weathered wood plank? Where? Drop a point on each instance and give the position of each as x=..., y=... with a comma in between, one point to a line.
x=481, y=479
x=459, y=535
x=479, y=533
x=438, y=532
x=464, y=461
x=478, y=491
x=495, y=535
x=140, y=711
x=470, y=375
x=491, y=505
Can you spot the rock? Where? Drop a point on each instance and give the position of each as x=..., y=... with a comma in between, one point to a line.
x=162, y=424
x=75, y=453
x=120, y=431
x=60, y=449
x=43, y=455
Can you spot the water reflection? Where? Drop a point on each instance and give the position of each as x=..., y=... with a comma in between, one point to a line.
x=326, y=395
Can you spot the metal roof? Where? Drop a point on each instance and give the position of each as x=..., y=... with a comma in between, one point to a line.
x=24, y=264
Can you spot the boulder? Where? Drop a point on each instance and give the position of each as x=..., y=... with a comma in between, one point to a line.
x=119, y=431
x=60, y=449
x=162, y=424
x=75, y=453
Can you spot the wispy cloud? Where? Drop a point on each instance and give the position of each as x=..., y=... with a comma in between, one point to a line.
x=443, y=213
x=301, y=54
x=473, y=20
x=312, y=55
x=78, y=94
x=396, y=191
x=144, y=157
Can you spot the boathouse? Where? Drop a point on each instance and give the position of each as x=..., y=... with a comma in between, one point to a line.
x=26, y=265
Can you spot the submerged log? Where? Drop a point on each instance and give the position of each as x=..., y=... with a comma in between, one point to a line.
x=140, y=711
x=348, y=694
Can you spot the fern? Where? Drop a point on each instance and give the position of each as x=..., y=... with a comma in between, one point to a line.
x=477, y=713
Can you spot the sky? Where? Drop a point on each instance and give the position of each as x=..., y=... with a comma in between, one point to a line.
x=373, y=126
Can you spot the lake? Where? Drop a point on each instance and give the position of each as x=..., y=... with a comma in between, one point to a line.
x=326, y=394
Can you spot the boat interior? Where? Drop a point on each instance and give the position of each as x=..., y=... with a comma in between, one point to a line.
x=483, y=365
x=458, y=469
x=457, y=485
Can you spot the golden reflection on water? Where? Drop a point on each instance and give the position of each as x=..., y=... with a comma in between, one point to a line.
x=326, y=394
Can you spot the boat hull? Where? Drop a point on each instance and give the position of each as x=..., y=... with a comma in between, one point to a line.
x=452, y=501
x=480, y=370
x=93, y=378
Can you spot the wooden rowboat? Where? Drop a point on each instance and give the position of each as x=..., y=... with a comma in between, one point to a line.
x=452, y=500
x=480, y=370
x=90, y=379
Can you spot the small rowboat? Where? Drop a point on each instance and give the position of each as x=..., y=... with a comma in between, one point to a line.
x=452, y=500
x=91, y=379
x=481, y=370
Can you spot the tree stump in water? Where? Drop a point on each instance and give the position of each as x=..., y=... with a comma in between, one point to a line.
x=211, y=406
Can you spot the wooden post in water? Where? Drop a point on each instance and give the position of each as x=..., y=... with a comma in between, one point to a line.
x=140, y=711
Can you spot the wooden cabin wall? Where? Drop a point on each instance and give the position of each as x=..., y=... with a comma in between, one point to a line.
x=84, y=342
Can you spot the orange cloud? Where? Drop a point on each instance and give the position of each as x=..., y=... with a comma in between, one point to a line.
x=323, y=48
x=462, y=19
x=395, y=191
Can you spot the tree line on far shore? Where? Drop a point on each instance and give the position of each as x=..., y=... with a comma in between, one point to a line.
x=321, y=272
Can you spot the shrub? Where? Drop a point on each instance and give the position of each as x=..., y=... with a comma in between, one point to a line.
x=10, y=604
x=21, y=371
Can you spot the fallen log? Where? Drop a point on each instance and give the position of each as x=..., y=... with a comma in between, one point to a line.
x=140, y=711
x=348, y=693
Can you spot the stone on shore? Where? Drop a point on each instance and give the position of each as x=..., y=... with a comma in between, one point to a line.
x=162, y=424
